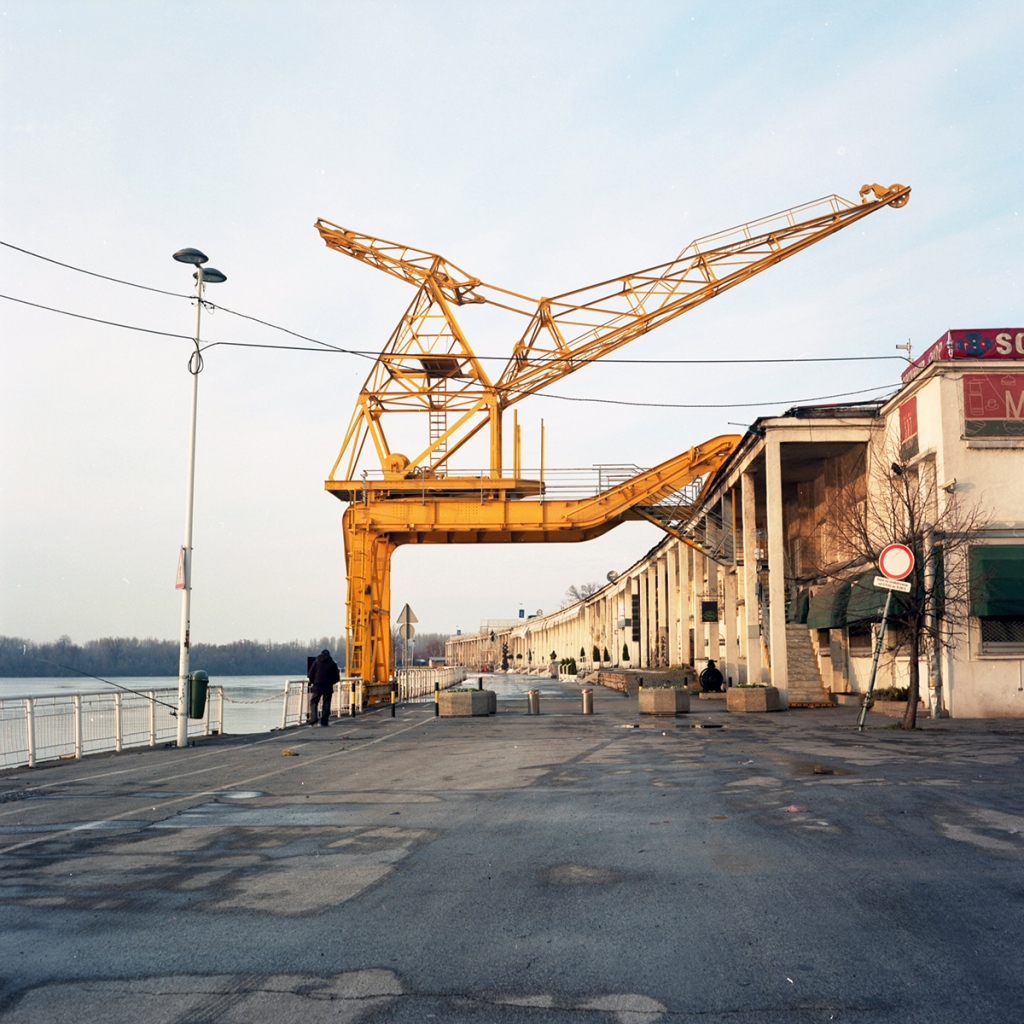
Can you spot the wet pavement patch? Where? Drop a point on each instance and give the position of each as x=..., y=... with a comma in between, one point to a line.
x=579, y=874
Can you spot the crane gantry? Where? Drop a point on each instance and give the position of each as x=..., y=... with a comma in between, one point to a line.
x=429, y=369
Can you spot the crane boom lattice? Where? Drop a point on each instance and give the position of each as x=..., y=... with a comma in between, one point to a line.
x=429, y=370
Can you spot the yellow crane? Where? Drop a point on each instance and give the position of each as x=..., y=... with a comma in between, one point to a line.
x=429, y=370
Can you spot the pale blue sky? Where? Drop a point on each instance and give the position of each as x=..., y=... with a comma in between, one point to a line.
x=540, y=146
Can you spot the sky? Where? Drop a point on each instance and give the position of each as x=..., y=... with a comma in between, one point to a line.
x=540, y=146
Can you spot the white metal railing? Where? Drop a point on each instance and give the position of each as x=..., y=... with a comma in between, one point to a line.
x=295, y=706
x=414, y=682
x=418, y=682
x=51, y=726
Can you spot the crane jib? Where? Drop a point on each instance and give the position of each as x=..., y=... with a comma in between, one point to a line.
x=429, y=369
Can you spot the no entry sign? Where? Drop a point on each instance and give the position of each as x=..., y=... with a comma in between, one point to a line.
x=896, y=561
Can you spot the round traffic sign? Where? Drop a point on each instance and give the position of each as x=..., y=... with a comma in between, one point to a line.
x=896, y=561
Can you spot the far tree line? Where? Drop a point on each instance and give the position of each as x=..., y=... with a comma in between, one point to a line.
x=130, y=656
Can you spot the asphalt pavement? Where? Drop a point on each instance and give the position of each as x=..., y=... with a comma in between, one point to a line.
x=605, y=869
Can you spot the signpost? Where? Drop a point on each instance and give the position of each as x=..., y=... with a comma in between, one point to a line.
x=895, y=562
x=406, y=629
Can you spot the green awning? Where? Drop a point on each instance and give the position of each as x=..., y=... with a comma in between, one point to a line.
x=867, y=602
x=827, y=608
x=997, y=580
x=796, y=610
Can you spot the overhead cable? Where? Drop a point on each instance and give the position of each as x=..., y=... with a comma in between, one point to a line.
x=93, y=273
x=715, y=405
x=327, y=346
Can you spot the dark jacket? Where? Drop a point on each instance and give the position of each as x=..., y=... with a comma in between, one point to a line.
x=323, y=673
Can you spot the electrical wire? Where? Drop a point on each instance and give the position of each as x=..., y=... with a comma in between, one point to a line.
x=96, y=319
x=712, y=405
x=366, y=353
x=93, y=273
x=564, y=398
x=186, y=337
x=324, y=346
x=286, y=330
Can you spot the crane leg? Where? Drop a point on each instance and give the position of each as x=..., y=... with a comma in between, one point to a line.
x=368, y=655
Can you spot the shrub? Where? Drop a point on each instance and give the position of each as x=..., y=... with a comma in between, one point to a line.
x=607, y=656
x=625, y=652
x=890, y=693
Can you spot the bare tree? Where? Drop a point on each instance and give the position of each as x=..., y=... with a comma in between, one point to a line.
x=896, y=501
x=580, y=593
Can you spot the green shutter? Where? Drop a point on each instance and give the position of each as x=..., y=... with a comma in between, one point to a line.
x=827, y=608
x=997, y=580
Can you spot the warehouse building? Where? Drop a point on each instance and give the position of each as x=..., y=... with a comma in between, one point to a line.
x=765, y=537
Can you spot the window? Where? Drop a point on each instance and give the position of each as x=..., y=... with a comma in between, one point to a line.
x=997, y=597
x=860, y=638
x=1002, y=635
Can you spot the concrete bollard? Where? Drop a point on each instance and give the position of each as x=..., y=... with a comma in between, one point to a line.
x=588, y=702
x=533, y=702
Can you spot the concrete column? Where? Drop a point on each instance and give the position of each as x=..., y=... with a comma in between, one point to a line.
x=664, y=623
x=672, y=596
x=683, y=554
x=731, y=625
x=727, y=531
x=776, y=569
x=700, y=651
x=646, y=609
x=752, y=606
x=714, y=631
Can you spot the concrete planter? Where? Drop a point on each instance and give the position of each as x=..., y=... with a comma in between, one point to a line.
x=663, y=701
x=753, y=698
x=466, y=705
x=894, y=708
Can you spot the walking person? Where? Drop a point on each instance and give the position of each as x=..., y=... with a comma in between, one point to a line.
x=322, y=675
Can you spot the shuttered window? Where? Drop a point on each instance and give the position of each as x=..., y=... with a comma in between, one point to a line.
x=997, y=596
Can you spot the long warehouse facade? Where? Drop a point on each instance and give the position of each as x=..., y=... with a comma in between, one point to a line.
x=773, y=532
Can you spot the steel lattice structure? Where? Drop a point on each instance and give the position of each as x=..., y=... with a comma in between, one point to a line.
x=428, y=369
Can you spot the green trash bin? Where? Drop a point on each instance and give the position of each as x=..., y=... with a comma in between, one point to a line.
x=198, y=684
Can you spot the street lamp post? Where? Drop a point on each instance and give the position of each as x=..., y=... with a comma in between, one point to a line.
x=195, y=366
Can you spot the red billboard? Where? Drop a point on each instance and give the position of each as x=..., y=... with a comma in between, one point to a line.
x=908, y=429
x=981, y=343
x=993, y=404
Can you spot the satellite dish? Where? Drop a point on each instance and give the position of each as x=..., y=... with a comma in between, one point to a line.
x=540, y=611
x=612, y=576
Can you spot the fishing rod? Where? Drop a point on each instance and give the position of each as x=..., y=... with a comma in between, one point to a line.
x=109, y=682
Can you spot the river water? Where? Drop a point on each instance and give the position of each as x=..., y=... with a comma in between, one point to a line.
x=239, y=717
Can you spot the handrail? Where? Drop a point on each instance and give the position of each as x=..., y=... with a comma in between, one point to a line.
x=55, y=726
x=412, y=683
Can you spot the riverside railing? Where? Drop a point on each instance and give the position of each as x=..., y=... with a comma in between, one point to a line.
x=419, y=682
x=52, y=726
x=412, y=683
